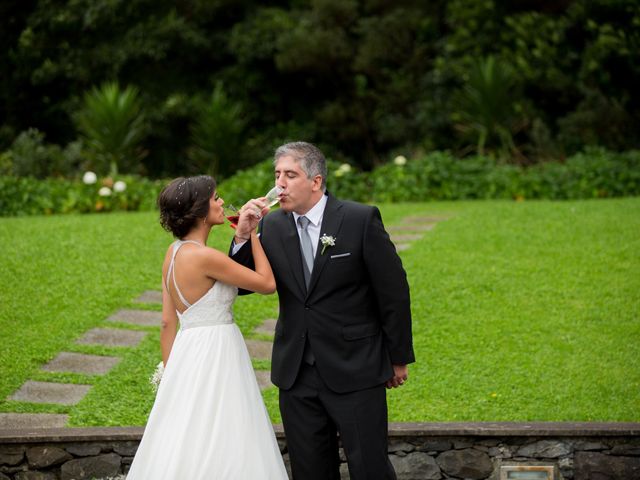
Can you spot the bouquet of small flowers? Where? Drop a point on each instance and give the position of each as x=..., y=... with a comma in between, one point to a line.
x=154, y=380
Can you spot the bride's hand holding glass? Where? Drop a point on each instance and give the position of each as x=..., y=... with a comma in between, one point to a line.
x=258, y=207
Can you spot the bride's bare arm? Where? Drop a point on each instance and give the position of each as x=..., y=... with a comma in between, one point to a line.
x=219, y=266
x=169, y=326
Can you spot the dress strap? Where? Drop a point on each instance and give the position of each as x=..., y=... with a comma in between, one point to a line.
x=172, y=270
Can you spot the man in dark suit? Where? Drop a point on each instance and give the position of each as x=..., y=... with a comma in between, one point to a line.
x=344, y=329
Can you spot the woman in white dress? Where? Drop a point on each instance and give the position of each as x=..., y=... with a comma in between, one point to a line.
x=208, y=420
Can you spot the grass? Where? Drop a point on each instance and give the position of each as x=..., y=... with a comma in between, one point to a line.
x=521, y=311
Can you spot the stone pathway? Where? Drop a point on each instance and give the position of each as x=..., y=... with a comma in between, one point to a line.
x=409, y=230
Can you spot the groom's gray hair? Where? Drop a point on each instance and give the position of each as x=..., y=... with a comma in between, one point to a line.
x=309, y=157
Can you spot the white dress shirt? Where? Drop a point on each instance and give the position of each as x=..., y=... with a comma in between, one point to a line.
x=315, y=216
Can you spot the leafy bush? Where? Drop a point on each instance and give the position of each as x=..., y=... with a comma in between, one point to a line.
x=30, y=156
x=30, y=196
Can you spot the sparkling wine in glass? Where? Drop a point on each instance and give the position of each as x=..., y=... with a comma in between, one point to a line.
x=232, y=213
x=273, y=196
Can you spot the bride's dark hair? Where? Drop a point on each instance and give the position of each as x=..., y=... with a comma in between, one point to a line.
x=184, y=202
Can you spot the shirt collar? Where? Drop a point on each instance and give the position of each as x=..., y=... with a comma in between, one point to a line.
x=315, y=214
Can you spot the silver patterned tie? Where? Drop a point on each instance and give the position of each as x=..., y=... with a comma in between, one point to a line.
x=307, y=249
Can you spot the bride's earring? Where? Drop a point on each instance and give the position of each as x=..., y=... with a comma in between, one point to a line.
x=204, y=221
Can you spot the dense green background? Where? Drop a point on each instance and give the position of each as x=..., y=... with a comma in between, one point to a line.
x=521, y=310
x=364, y=79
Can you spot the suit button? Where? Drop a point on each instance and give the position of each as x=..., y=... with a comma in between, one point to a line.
x=302, y=336
x=307, y=307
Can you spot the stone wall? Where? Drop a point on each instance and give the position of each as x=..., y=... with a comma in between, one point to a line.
x=577, y=451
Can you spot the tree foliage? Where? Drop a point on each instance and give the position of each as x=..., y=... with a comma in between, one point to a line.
x=364, y=79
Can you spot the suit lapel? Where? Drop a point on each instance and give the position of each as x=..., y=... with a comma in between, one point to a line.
x=331, y=223
x=291, y=246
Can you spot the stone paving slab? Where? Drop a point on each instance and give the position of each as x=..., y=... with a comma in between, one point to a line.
x=81, y=363
x=402, y=246
x=32, y=420
x=259, y=349
x=49, y=392
x=264, y=379
x=112, y=337
x=268, y=327
x=419, y=219
x=406, y=228
x=409, y=237
x=150, y=296
x=145, y=318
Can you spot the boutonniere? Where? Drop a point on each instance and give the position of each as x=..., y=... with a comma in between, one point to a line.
x=327, y=241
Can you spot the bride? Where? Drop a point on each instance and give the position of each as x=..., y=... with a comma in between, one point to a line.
x=208, y=420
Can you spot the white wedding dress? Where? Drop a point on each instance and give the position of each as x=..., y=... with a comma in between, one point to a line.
x=208, y=420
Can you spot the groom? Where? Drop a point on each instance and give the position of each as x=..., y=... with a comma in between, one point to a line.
x=344, y=329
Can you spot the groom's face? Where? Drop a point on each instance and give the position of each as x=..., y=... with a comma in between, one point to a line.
x=300, y=193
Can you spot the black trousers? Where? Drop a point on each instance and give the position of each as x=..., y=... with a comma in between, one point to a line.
x=313, y=415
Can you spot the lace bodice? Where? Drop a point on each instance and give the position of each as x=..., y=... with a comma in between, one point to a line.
x=214, y=308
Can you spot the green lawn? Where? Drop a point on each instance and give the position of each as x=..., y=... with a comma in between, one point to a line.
x=522, y=311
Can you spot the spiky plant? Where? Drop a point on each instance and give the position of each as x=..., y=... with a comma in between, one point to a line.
x=113, y=126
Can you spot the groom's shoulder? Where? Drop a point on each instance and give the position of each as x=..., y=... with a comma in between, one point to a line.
x=357, y=208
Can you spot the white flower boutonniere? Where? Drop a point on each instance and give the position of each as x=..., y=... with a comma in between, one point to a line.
x=327, y=241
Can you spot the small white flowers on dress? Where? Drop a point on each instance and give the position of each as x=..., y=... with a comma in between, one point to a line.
x=89, y=178
x=120, y=186
x=327, y=241
x=400, y=160
x=104, y=192
x=154, y=380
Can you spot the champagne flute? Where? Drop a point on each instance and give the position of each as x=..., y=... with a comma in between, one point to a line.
x=272, y=197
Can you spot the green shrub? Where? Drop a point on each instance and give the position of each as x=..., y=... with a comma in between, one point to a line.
x=30, y=196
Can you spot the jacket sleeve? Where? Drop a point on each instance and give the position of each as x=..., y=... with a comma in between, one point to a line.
x=243, y=257
x=389, y=282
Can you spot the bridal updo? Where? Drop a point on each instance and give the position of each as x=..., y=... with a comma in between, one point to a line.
x=184, y=202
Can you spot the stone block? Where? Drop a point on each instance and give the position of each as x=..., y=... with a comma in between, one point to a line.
x=259, y=350
x=408, y=237
x=35, y=476
x=264, y=379
x=126, y=449
x=434, y=446
x=83, y=449
x=49, y=392
x=150, y=296
x=102, y=466
x=400, y=447
x=268, y=327
x=597, y=466
x=544, y=449
x=43, y=457
x=629, y=450
x=4, y=477
x=32, y=420
x=11, y=454
x=145, y=318
x=416, y=466
x=468, y=463
x=112, y=337
x=81, y=363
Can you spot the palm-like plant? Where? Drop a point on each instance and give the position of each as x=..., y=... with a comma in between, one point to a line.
x=485, y=107
x=113, y=126
x=217, y=134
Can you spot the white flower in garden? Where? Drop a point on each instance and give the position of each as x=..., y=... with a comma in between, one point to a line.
x=104, y=192
x=344, y=168
x=400, y=160
x=89, y=178
x=119, y=186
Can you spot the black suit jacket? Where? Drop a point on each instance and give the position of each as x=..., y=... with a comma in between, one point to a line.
x=356, y=311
